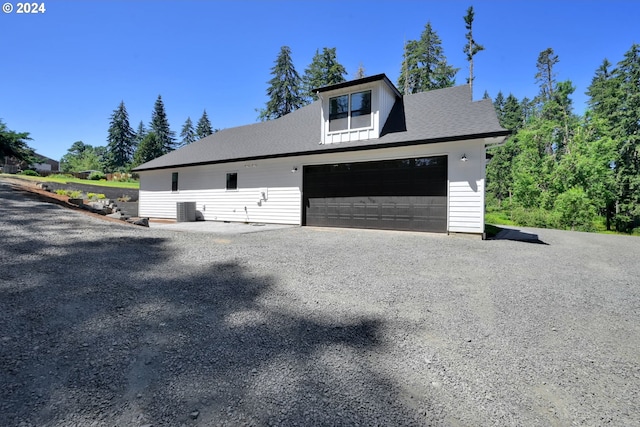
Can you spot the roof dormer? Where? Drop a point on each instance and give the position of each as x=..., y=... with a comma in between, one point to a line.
x=356, y=110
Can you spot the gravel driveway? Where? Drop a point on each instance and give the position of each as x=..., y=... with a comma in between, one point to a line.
x=103, y=323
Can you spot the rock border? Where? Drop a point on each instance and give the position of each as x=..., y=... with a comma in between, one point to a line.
x=106, y=209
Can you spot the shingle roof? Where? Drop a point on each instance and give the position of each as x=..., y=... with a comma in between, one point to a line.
x=428, y=117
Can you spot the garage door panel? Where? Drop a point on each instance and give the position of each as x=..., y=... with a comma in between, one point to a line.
x=407, y=194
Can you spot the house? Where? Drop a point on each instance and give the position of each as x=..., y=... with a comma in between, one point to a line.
x=361, y=156
x=44, y=164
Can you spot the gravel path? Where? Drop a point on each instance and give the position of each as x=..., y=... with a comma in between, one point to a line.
x=116, y=325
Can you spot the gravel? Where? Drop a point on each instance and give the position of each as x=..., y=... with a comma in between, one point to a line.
x=107, y=324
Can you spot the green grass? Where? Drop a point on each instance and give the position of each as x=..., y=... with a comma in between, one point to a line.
x=66, y=180
x=499, y=218
x=503, y=218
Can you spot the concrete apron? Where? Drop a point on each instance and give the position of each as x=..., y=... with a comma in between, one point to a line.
x=216, y=227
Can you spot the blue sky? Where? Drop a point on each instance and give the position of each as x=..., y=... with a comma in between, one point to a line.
x=64, y=71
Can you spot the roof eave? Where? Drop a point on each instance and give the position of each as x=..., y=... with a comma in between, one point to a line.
x=361, y=81
x=339, y=149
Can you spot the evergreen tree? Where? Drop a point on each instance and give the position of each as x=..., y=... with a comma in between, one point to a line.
x=545, y=77
x=149, y=148
x=324, y=70
x=141, y=132
x=361, y=72
x=603, y=99
x=188, y=134
x=471, y=48
x=603, y=102
x=498, y=104
x=120, y=141
x=203, y=129
x=499, y=169
x=424, y=66
x=160, y=127
x=284, y=88
x=626, y=133
x=528, y=109
x=14, y=144
x=512, y=115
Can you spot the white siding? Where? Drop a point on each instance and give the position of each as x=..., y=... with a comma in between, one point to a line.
x=387, y=101
x=466, y=187
x=205, y=185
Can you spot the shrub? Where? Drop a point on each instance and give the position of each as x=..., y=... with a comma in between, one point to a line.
x=575, y=210
x=535, y=217
x=72, y=194
x=124, y=198
x=96, y=196
x=122, y=177
x=96, y=176
x=29, y=172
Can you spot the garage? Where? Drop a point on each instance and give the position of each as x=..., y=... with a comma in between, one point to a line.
x=400, y=194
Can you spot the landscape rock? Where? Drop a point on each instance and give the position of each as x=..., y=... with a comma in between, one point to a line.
x=96, y=207
x=139, y=221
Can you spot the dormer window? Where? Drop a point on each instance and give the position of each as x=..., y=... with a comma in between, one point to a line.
x=351, y=111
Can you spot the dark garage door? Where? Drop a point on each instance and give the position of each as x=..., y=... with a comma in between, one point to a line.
x=403, y=194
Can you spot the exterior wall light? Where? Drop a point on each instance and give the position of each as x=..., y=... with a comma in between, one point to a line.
x=294, y=169
x=464, y=158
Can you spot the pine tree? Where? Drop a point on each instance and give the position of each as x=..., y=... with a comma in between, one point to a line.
x=149, y=148
x=324, y=70
x=602, y=92
x=203, y=128
x=603, y=102
x=626, y=133
x=471, y=48
x=528, y=110
x=14, y=144
x=141, y=132
x=188, y=134
x=545, y=76
x=498, y=104
x=512, y=115
x=160, y=127
x=361, y=72
x=284, y=90
x=120, y=141
x=499, y=169
x=424, y=65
